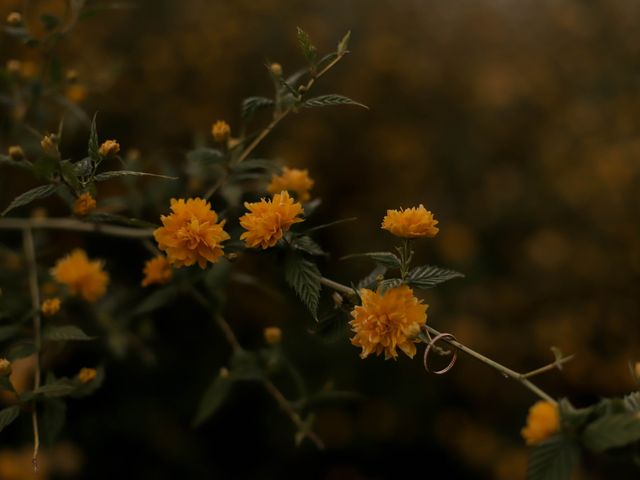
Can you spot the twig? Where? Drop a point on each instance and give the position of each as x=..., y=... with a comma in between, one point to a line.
x=73, y=224
x=30, y=254
x=557, y=364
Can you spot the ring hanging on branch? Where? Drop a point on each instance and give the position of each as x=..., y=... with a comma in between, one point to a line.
x=431, y=346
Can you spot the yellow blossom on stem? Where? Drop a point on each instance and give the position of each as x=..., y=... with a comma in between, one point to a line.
x=14, y=66
x=191, y=233
x=293, y=180
x=273, y=335
x=276, y=69
x=268, y=221
x=109, y=148
x=388, y=321
x=16, y=152
x=50, y=306
x=5, y=367
x=157, y=270
x=220, y=131
x=86, y=375
x=416, y=222
x=49, y=144
x=82, y=276
x=77, y=93
x=84, y=204
x=542, y=422
x=14, y=19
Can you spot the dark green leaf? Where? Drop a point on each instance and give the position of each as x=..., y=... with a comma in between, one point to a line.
x=60, y=388
x=553, y=459
x=612, y=431
x=8, y=415
x=344, y=43
x=45, y=166
x=256, y=164
x=103, y=217
x=68, y=171
x=371, y=280
x=29, y=196
x=6, y=160
x=245, y=366
x=389, y=284
x=83, y=167
x=212, y=399
x=206, y=155
x=101, y=177
x=384, y=259
x=8, y=331
x=308, y=245
x=428, y=276
x=65, y=333
x=54, y=412
x=94, y=146
x=308, y=49
x=332, y=99
x=21, y=350
x=304, y=277
x=571, y=417
x=252, y=104
x=632, y=402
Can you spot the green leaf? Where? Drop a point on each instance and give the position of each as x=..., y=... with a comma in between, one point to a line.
x=59, y=388
x=256, y=164
x=553, y=459
x=54, y=413
x=384, y=259
x=344, y=44
x=308, y=245
x=252, y=104
x=101, y=177
x=304, y=277
x=308, y=49
x=332, y=99
x=68, y=171
x=371, y=280
x=104, y=217
x=212, y=399
x=427, y=276
x=571, y=417
x=65, y=333
x=83, y=167
x=94, y=146
x=21, y=350
x=389, y=283
x=29, y=196
x=6, y=160
x=612, y=431
x=245, y=366
x=8, y=331
x=45, y=166
x=206, y=155
x=8, y=415
x=632, y=402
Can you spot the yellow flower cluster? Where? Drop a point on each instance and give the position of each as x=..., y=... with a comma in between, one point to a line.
x=50, y=306
x=386, y=322
x=157, y=270
x=416, y=222
x=84, y=204
x=191, y=233
x=268, y=220
x=220, y=131
x=82, y=276
x=109, y=148
x=273, y=335
x=14, y=19
x=293, y=180
x=5, y=367
x=86, y=375
x=49, y=144
x=16, y=152
x=542, y=422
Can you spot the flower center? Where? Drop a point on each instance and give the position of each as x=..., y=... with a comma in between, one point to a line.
x=191, y=233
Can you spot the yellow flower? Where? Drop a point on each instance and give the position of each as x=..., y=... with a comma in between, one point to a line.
x=84, y=204
x=276, y=69
x=543, y=421
x=85, y=375
x=109, y=148
x=16, y=152
x=77, y=93
x=293, y=180
x=413, y=222
x=5, y=367
x=81, y=276
x=384, y=322
x=14, y=19
x=272, y=335
x=220, y=131
x=269, y=220
x=190, y=234
x=50, y=306
x=157, y=270
x=49, y=144
x=14, y=66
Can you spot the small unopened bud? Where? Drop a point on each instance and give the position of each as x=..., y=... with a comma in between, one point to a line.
x=49, y=144
x=232, y=256
x=224, y=372
x=16, y=152
x=50, y=307
x=5, y=367
x=14, y=19
x=273, y=335
x=84, y=204
x=220, y=131
x=86, y=375
x=109, y=148
x=276, y=69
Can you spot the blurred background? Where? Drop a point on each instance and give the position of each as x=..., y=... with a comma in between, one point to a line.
x=516, y=123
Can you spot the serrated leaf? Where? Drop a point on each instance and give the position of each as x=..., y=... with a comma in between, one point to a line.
x=571, y=417
x=83, y=167
x=385, y=259
x=612, y=431
x=427, y=276
x=252, y=104
x=101, y=177
x=212, y=399
x=94, y=146
x=60, y=388
x=54, y=413
x=65, y=333
x=304, y=277
x=69, y=174
x=632, y=402
x=308, y=245
x=388, y=284
x=371, y=280
x=308, y=49
x=344, y=43
x=206, y=155
x=329, y=100
x=29, y=196
x=553, y=459
x=8, y=415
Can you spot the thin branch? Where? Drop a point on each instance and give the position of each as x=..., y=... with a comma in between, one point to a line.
x=73, y=224
x=30, y=254
x=557, y=364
